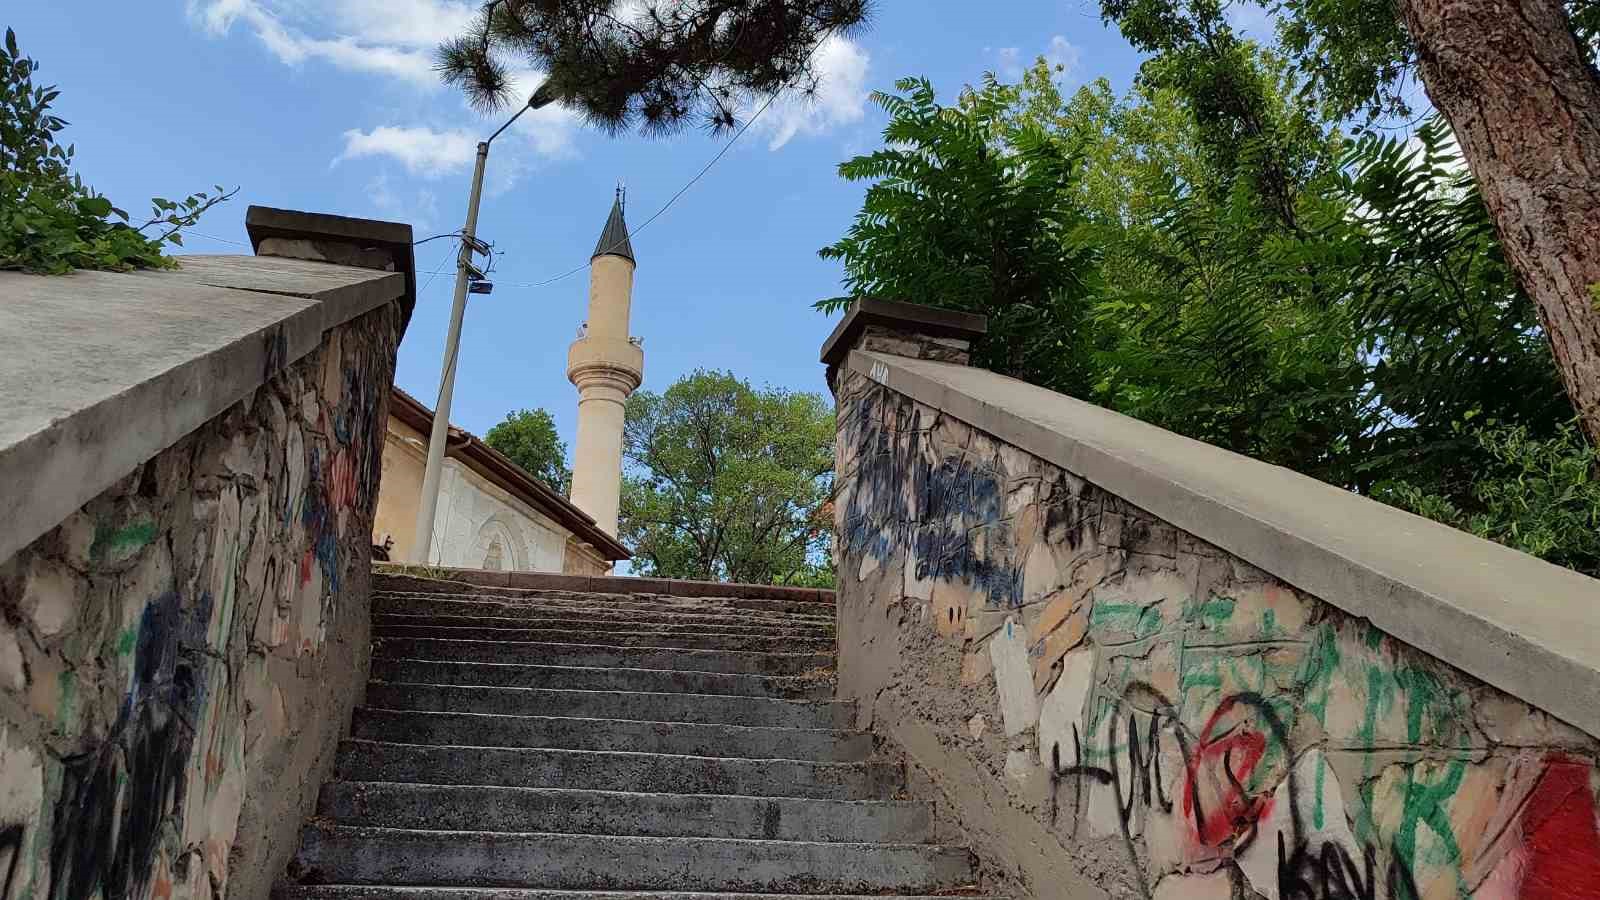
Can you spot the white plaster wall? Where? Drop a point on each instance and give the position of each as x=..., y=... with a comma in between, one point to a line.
x=473, y=511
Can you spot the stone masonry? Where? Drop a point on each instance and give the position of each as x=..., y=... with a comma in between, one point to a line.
x=178, y=657
x=1115, y=707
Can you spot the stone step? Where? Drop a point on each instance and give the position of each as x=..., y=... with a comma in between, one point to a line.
x=412, y=604
x=717, y=709
x=562, y=733
x=613, y=770
x=483, y=808
x=711, y=640
x=580, y=625
x=401, y=892
x=347, y=854
x=740, y=662
x=594, y=678
x=631, y=602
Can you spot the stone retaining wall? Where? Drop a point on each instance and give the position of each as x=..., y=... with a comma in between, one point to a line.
x=179, y=657
x=1113, y=706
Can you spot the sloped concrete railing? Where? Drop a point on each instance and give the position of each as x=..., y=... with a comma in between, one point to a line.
x=1138, y=665
x=188, y=469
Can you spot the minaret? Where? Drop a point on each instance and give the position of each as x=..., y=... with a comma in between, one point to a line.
x=606, y=365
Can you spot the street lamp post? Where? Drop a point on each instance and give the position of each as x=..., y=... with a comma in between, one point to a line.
x=428, y=503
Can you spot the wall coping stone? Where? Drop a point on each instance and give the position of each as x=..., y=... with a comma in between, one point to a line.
x=326, y=230
x=104, y=370
x=1523, y=625
x=603, y=584
x=930, y=321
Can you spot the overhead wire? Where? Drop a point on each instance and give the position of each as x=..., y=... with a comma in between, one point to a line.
x=674, y=198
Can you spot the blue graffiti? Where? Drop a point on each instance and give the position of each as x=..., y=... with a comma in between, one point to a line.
x=949, y=502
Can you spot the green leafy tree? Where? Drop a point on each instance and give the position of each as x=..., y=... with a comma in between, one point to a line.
x=1520, y=90
x=50, y=221
x=1365, y=339
x=728, y=482
x=968, y=211
x=529, y=438
x=1540, y=496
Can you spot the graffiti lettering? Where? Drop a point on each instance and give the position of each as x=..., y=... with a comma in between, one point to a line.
x=11, y=840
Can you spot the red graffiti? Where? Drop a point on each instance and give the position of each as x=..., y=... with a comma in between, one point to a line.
x=1560, y=854
x=342, y=481
x=1215, y=799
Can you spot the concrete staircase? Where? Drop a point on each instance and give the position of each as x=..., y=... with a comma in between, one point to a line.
x=578, y=745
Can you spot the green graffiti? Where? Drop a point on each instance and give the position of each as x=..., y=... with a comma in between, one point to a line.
x=1269, y=624
x=1379, y=700
x=1143, y=620
x=1211, y=614
x=121, y=541
x=1429, y=804
x=68, y=683
x=1315, y=679
x=1317, y=815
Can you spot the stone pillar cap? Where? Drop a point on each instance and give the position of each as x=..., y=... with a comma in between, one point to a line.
x=262, y=222
x=908, y=317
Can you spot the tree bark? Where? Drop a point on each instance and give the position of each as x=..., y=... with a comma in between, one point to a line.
x=1510, y=78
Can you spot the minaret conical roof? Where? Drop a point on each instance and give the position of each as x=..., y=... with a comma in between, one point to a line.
x=614, y=238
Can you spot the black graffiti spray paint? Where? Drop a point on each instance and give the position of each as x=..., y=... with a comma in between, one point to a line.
x=113, y=798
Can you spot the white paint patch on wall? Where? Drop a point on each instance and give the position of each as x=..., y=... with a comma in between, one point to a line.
x=1062, y=709
x=1013, y=677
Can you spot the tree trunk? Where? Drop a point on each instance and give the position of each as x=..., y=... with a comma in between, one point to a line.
x=1511, y=80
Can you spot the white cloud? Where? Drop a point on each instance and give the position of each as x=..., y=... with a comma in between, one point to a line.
x=1252, y=19
x=1063, y=56
x=1008, y=63
x=393, y=39
x=1060, y=54
x=426, y=152
x=840, y=98
x=423, y=151
x=409, y=23
x=420, y=207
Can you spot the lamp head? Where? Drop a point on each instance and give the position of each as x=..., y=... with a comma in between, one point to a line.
x=544, y=96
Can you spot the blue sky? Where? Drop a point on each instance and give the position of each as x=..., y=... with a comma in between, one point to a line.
x=329, y=105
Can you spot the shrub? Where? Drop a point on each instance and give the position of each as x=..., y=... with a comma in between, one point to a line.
x=50, y=221
x=1538, y=496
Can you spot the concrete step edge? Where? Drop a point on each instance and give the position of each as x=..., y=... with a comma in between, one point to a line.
x=647, y=795
x=498, y=611
x=606, y=638
x=381, y=891
x=645, y=602
x=599, y=721
x=330, y=828
x=796, y=682
x=865, y=764
x=536, y=732
x=622, y=813
x=523, y=691
x=515, y=623
x=612, y=648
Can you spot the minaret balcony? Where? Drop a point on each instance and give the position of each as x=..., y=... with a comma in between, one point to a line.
x=610, y=359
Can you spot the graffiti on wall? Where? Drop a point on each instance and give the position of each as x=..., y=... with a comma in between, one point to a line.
x=1232, y=736
x=136, y=635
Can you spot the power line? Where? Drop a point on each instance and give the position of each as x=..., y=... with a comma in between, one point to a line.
x=434, y=274
x=212, y=237
x=681, y=191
